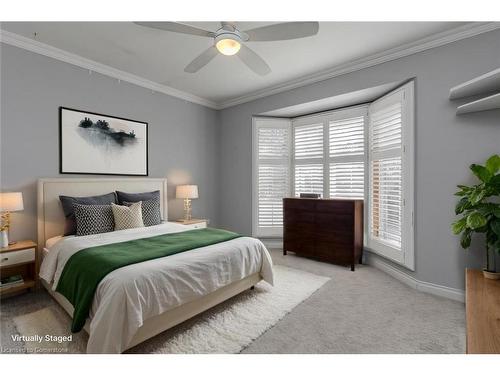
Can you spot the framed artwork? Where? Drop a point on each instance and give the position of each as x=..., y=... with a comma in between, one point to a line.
x=93, y=143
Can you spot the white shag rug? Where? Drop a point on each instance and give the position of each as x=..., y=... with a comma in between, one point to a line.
x=227, y=328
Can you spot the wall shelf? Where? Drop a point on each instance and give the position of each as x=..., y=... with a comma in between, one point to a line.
x=484, y=84
x=484, y=104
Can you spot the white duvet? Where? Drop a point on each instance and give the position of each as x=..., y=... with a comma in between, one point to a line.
x=129, y=295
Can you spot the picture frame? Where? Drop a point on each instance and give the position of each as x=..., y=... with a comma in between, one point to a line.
x=92, y=143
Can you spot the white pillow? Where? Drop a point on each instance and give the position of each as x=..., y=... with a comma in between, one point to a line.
x=127, y=217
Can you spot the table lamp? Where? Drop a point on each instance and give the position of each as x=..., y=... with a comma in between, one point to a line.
x=187, y=192
x=9, y=202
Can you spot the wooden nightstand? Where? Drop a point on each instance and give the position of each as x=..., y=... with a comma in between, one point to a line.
x=194, y=223
x=19, y=259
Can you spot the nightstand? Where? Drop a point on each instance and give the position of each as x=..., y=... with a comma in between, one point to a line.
x=194, y=223
x=19, y=258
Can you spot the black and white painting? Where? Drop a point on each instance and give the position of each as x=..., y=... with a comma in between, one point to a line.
x=92, y=143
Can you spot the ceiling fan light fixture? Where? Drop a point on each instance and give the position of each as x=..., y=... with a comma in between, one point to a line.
x=228, y=44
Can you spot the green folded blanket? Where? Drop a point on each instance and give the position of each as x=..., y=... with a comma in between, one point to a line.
x=85, y=269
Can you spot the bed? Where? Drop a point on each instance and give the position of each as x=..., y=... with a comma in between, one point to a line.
x=138, y=301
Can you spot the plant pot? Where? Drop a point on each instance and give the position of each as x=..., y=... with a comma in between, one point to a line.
x=491, y=275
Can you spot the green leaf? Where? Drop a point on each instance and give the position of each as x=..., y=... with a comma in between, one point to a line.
x=493, y=164
x=462, y=205
x=491, y=238
x=495, y=227
x=494, y=183
x=459, y=225
x=481, y=172
x=476, y=220
x=477, y=196
x=486, y=208
x=463, y=190
x=483, y=229
x=465, y=239
x=495, y=246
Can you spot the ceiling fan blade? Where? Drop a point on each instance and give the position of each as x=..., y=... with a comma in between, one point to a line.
x=253, y=61
x=176, y=28
x=283, y=31
x=202, y=60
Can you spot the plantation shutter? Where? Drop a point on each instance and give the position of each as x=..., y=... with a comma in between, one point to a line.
x=346, y=133
x=390, y=163
x=271, y=174
x=308, y=159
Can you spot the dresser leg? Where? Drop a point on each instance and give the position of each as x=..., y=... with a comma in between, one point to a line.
x=284, y=252
x=352, y=267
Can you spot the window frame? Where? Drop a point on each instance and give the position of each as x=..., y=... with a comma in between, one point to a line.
x=406, y=255
x=325, y=118
x=270, y=122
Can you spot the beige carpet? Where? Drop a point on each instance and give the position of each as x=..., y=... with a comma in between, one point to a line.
x=227, y=328
x=366, y=311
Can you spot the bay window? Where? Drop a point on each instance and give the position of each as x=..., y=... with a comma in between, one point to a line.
x=362, y=152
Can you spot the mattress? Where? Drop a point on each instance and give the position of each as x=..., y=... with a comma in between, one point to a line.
x=52, y=241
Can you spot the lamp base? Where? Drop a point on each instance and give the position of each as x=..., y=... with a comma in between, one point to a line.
x=4, y=239
x=187, y=209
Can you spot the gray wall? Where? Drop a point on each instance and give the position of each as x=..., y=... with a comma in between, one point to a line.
x=182, y=135
x=445, y=146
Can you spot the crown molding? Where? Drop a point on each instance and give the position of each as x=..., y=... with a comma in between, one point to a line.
x=82, y=62
x=436, y=40
x=433, y=41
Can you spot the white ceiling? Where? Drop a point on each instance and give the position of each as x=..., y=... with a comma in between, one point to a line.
x=161, y=56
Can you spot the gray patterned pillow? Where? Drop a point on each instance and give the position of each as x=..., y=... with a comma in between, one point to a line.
x=93, y=219
x=69, y=213
x=151, y=213
x=127, y=217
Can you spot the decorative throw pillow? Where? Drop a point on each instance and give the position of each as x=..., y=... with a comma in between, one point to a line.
x=150, y=211
x=68, y=202
x=127, y=217
x=136, y=197
x=93, y=219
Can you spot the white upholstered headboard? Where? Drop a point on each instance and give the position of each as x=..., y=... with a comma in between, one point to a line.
x=50, y=214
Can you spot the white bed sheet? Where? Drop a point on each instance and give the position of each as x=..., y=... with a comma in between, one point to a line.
x=129, y=295
x=52, y=241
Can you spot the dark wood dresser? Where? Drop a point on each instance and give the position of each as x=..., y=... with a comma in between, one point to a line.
x=329, y=230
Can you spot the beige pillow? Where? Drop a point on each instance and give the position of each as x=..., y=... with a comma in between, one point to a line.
x=127, y=217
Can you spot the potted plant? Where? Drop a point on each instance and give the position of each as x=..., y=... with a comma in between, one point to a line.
x=479, y=211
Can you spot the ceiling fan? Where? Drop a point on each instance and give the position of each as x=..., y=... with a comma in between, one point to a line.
x=229, y=40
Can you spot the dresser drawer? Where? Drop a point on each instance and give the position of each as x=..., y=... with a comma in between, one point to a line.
x=16, y=257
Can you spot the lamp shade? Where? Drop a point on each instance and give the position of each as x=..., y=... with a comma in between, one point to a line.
x=11, y=201
x=187, y=191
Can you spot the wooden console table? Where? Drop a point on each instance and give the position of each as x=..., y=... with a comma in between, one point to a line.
x=482, y=305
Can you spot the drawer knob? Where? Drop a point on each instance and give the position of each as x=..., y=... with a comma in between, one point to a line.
x=5, y=259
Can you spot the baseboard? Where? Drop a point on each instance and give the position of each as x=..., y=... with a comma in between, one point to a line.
x=424, y=286
x=385, y=266
x=272, y=243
